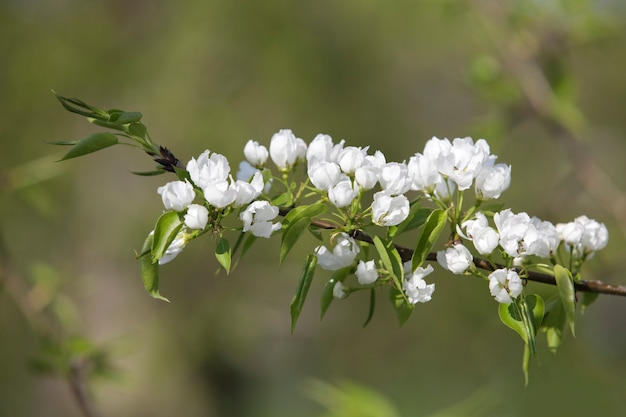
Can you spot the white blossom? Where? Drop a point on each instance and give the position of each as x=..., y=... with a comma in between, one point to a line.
x=343, y=193
x=423, y=173
x=257, y=219
x=286, y=149
x=196, y=217
x=343, y=253
x=504, y=285
x=220, y=194
x=414, y=285
x=389, y=210
x=351, y=158
x=208, y=169
x=324, y=174
x=177, y=195
x=320, y=149
x=512, y=229
x=394, y=178
x=457, y=258
x=366, y=272
x=255, y=153
x=492, y=181
x=464, y=161
x=585, y=235
x=339, y=290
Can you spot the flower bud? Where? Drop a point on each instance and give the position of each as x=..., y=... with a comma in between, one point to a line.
x=176, y=195
x=255, y=153
x=456, y=258
x=197, y=217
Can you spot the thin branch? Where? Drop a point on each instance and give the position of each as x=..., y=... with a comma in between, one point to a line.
x=41, y=325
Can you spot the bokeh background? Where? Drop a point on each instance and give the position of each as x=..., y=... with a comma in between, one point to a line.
x=213, y=74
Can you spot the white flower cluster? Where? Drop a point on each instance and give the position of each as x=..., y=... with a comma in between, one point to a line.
x=341, y=173
x=518, y=236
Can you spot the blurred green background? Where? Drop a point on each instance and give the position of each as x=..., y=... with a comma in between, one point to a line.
x=213, y=74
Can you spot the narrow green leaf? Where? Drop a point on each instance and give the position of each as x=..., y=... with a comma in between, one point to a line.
x=107, y=124
x=588, y=298
x=417, y=217
x=149, y=173
x=327, y=292
x=62, y=142
x=247, y=244
x=554, y=323
x=303, y=289
x=137, y=129
x=291, y=233
x=123, y=117
x=391, y=261
x=150, y=270
x=283, y=200
x=401, y=305
x=526, y=363
x=565, y=284
x=310, y=211
x=167, y=226
x=90, y=144
x=532, y=307
x=370, y=312
x=80, y=107
x=223, y=254
x=430, y=233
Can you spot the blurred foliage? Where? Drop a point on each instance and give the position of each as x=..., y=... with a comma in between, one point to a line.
x=213, y=75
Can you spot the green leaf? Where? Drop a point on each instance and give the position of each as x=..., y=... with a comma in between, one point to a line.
x=80, y=107
x=295, y=223
x=370, y=312
x=303, y=289
x=137, y=129
x=283, y=200
x=327, y=292
x=291, y=234
x=165, y=231
x=526, y=363
x=533, y=310
x=90, y=144
x=432, y=229
x=401, y=305
x=417, y=217
x=311, y=211
x=524, y=316
x=150, y=270
x=122, y=117
x=223, y=254
x=553, y=323
x=391, y=260
x=62, y=142
x=565, y=284
x=511, y=316
x=149, y=173
x=588, y=298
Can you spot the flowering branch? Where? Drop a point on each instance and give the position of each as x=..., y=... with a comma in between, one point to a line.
x=331, y=203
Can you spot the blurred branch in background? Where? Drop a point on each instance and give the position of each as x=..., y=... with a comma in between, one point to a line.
x=50, y=315
x=531, y=43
